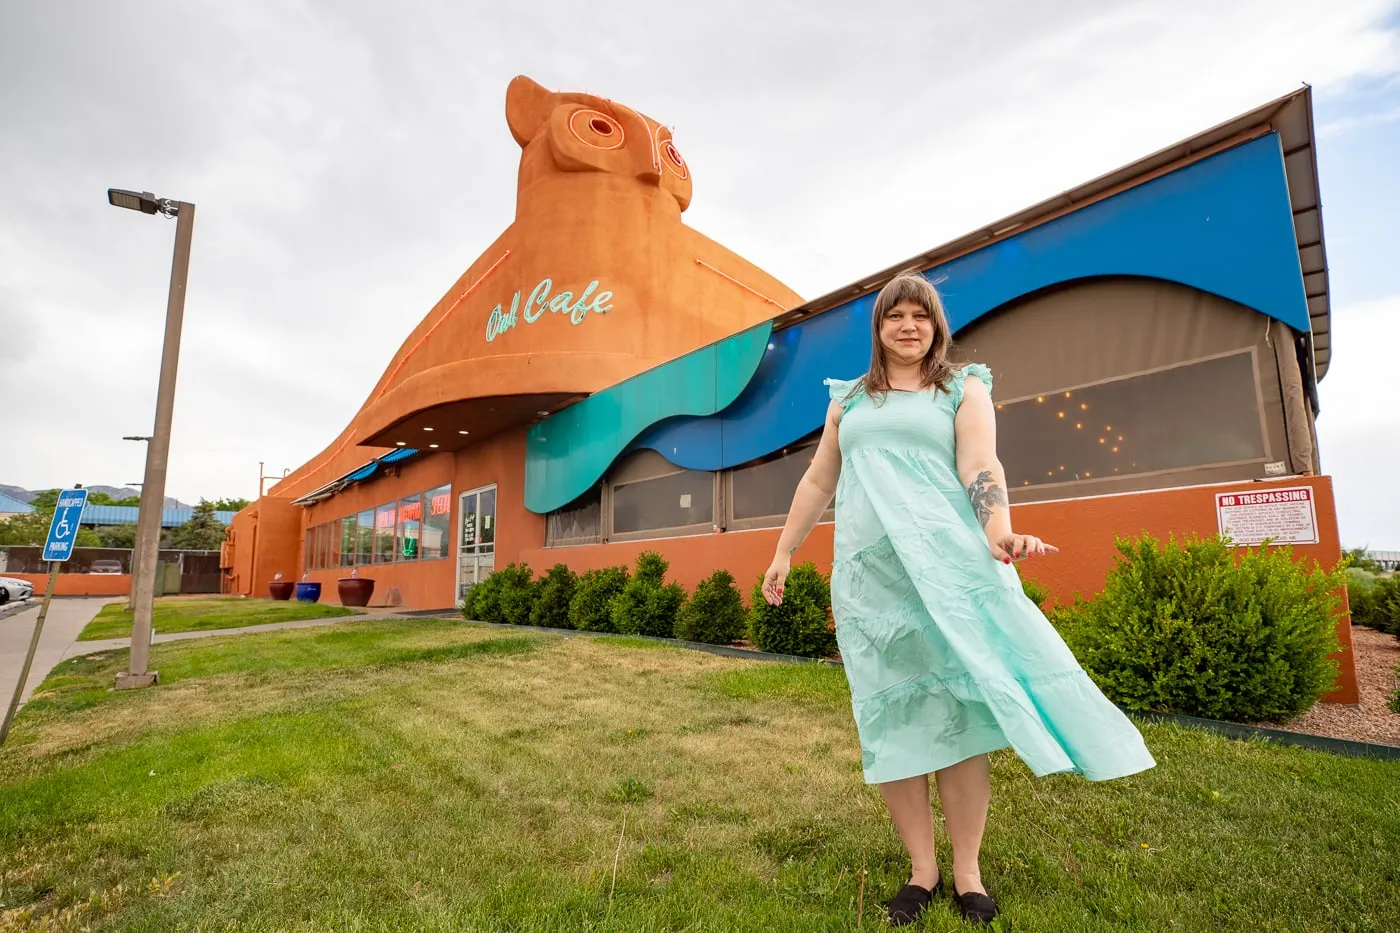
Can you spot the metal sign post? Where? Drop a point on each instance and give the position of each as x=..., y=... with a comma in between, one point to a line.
x=63, y=531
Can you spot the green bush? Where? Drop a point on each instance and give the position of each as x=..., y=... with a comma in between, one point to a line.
x=802, y=624
x=1034, y=591
x=648, y=604
x=556, y=591
x=482, y=601
x=1200, y=629
x=591, y=608
x=1393, y=704
x=518, y=591
x=714, y=614
x=1375, y=601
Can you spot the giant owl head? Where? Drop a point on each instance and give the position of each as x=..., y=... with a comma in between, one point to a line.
x=583, y=133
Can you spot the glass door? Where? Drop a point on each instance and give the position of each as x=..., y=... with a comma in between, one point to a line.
x=476, y=551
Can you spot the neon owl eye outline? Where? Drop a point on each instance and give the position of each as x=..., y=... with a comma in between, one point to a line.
x=610, y=122
x=673, y=158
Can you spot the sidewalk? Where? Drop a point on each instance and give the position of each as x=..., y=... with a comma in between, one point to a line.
x=66, y=618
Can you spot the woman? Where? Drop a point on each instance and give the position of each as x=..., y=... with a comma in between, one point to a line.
x=946, y=658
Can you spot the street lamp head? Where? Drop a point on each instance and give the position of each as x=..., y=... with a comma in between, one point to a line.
x=142, y=201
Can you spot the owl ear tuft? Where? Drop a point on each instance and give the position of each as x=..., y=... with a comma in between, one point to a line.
x=527, y=108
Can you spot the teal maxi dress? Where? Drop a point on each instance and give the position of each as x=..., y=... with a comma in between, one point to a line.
x=945, y=655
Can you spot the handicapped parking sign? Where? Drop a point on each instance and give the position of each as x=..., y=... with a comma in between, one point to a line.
x=63, y=530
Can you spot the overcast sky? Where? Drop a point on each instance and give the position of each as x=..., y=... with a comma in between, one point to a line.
x=350, y=159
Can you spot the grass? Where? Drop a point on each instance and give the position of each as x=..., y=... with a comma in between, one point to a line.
x=203, y=615
x=429, y=775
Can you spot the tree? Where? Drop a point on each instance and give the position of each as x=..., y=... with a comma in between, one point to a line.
x=32, y=528
x=1358, y=558
x=203, y=532
x=29, y=528
x=102, y=498
x=122, y=536
x=230, y=505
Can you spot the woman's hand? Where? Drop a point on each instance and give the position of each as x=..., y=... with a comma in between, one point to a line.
x=775, y=578
x=1009, y=547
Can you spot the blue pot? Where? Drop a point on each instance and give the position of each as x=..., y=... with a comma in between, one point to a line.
x=308, y=592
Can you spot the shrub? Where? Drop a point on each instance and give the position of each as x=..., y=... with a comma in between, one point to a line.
x=518, y=591
x=714, y=614
x=1375, y=601
x=1195, y=628
x=1034, y=591
x=482, y=601
x=648, y=604
x=1393, y=704
x=590, y=610
x=802, y=624
x=556, y=590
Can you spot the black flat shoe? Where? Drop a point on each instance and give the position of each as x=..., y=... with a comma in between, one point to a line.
x=911, y=902
x=979, y=908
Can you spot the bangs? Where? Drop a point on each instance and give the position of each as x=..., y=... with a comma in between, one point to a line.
x=908, y=287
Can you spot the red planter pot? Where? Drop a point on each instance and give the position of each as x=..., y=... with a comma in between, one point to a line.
x=281, y=589
x=355, y=591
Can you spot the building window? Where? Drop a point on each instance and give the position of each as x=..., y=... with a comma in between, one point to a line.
x=384, y=528
x=347, y=541
x=437, y=524
x=410, y=526
x=650, y=497
x=1198, y=414
x=760, y=493
x=364, y=537
x=330, y=545
x=579, y=522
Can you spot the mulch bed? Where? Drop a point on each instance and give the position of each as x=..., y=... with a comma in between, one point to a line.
x=1377, y=656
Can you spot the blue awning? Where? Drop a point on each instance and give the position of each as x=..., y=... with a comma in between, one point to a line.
x=357, y=475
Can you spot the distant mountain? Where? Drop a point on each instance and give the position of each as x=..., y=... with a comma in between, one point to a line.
x=116, y=492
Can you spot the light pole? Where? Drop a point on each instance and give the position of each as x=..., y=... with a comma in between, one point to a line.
x=135, y=554
x=158, y=448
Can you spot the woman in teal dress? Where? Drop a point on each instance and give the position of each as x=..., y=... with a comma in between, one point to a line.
x=946, y=658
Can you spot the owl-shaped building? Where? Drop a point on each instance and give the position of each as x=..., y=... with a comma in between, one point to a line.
x=605, y=380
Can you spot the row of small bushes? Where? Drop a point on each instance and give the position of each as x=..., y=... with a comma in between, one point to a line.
x=642, y=602
x=1197, y=628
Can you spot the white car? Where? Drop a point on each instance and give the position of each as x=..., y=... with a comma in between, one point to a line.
x=14, y=588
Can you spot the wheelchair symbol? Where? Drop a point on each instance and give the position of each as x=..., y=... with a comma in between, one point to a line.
x=63, y=528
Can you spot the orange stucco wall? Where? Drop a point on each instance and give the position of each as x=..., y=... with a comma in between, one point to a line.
x=1084, y=530
x=79, y=584
x=431, y=584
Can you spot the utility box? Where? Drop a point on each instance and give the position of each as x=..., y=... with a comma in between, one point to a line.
x=167, y=582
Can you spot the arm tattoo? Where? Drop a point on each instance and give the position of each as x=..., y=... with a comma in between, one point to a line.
x=986, y=495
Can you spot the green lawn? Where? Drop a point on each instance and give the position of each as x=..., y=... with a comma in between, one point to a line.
x=202, y=615
x=428, y=775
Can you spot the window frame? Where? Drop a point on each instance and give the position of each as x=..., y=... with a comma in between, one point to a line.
x=1121, y=478
x=714, y=525
x=759, y=522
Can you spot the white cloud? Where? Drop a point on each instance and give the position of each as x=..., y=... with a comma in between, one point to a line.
x=1359, y=429
x=349, y=163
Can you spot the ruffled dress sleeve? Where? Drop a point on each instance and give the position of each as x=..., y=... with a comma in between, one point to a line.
x=844, y=391
x=958, y=383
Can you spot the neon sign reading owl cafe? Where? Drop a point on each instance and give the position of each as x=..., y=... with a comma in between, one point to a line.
x=539, y=301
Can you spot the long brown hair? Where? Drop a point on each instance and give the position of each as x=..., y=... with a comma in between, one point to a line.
x=937, y=370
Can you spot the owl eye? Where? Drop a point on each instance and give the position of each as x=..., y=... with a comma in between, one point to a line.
x=596, y=129
x=673, y=158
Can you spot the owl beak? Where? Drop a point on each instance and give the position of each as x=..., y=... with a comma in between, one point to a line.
x=650, y=176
